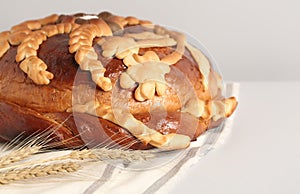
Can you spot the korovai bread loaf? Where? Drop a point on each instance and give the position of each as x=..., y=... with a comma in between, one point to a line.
x=101, y=79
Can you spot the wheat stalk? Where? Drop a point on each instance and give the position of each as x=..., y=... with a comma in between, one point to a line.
x=106, y=154
x=18, y=155
x=13, y=165
x=97, y=154
x=37, y=171
x=26, y=171
x=127, y=155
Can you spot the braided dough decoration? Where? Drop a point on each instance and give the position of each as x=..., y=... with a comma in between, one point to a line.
x=148, y=70
x=81, y=42
x=35, y=68
x=27, y=52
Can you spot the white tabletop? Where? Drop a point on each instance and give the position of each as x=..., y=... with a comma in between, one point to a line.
x=261, y=153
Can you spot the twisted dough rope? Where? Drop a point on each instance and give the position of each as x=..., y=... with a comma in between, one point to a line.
x=29, y=42
x=81, y=43
x=27, y=51
x=19, y=32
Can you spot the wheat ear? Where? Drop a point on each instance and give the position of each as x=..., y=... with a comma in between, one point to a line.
x=37, y=171
x=106, y=154
x=127, y=155
x=18, y=155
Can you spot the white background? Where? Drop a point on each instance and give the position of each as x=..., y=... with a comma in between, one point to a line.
x=256, y=40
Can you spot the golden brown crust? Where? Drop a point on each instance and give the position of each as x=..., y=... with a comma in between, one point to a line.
x=148, y=64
